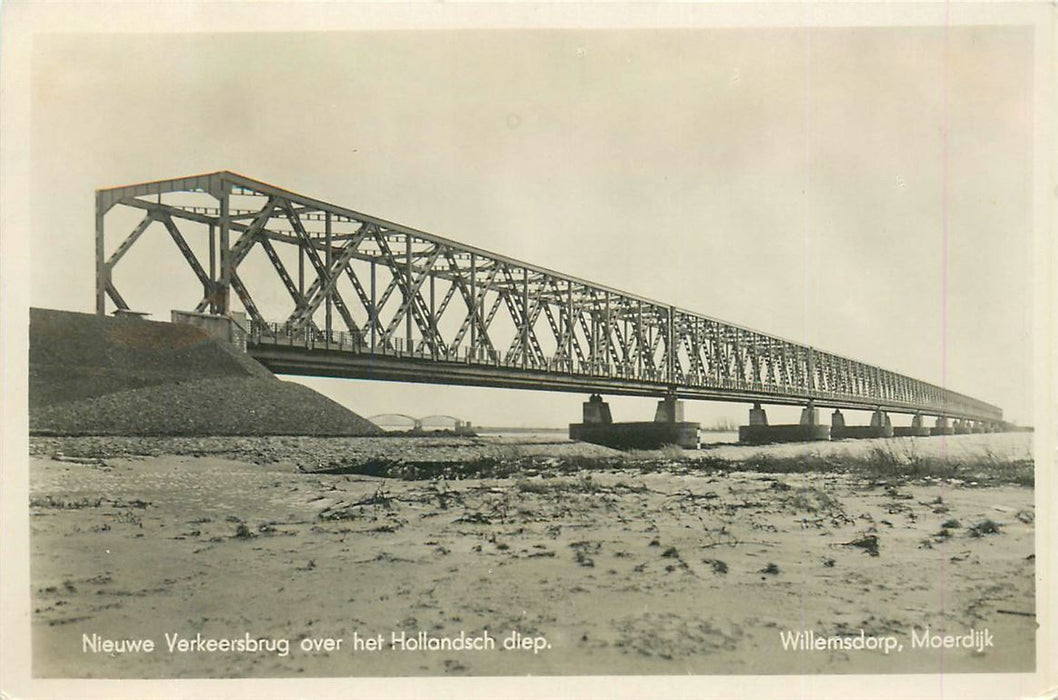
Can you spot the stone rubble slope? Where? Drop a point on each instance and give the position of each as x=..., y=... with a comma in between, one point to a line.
x=112, y=376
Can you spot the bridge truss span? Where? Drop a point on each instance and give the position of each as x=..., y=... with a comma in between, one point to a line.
x=368, y=298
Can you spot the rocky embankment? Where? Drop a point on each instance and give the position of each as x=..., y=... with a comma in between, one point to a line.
x=127, y=376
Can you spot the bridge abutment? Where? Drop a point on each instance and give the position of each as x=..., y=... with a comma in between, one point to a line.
x=229, y=328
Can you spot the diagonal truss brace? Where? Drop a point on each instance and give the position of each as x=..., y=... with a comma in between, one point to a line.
x=189, y=255
x=317, y=263
x=323, y=287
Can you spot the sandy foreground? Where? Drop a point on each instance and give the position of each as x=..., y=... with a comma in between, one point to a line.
x=669, y=568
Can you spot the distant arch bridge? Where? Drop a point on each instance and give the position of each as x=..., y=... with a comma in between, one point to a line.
x=419, y=424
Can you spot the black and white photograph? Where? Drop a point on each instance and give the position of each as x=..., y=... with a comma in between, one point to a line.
x=553, y=351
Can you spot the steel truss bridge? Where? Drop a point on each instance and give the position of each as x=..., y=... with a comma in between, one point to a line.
x=372, y=299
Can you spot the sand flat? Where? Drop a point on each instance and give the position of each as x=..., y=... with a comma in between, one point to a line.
x=621, y=570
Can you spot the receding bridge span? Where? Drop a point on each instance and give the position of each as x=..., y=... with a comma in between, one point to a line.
x=372, y=299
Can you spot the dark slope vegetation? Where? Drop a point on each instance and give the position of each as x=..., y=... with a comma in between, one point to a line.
x=119, y=376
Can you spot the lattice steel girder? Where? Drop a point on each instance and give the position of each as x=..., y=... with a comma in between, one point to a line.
x=292, y=215
x=324, y=286
x=413, y=303
x=594, y=330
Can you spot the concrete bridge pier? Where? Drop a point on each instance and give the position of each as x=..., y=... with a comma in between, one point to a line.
x=942, y=427
x=880, y=421
x=669, y=410
x=916, y=429
x=667, y=428
x=757, y=415
x=962, y=427
x=880, y=426
x=978, y=426
x=595, y=411
x=810, y=414
x=758, y=431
